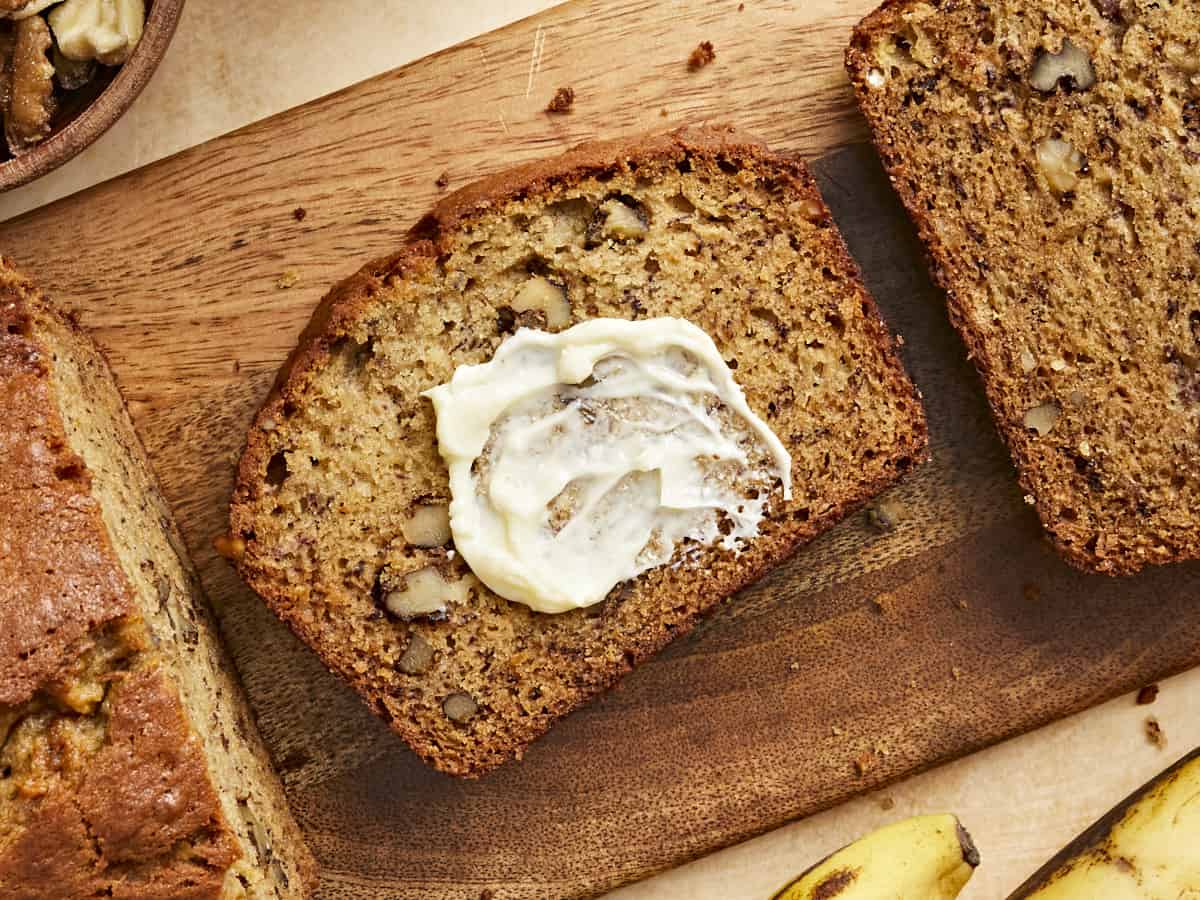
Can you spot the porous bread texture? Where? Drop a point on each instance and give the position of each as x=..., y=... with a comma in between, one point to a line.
x=700, y=224
x=1061, y=212
x=129, y=761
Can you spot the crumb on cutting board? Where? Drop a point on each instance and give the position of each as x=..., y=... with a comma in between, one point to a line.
x=885, y=602
x=702, y=56
x=885, y=516
x=442, y=180
x=562, y=101
x=299, y=213
x=288, y=279
x=1147, y=695
x=864, y=763
x=1154, y=733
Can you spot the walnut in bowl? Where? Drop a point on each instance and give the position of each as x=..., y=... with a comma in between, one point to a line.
x=68, y=70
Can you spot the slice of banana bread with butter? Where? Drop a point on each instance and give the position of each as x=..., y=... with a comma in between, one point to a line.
x=1049, y=153
x=129, y=761
x=585, y=459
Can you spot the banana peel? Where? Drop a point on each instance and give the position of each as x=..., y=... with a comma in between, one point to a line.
x=924, y=858
x=1146, y=848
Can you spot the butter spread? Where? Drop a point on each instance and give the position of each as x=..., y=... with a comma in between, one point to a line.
x=583, y=458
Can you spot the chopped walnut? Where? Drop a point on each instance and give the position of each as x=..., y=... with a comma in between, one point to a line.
x=1042, y=418
x=427, y=525
x=417, y=658
x=460, y=707
x=30, y=100
x=103, y=30
x=562, y=101
x=72, y=74
x=541, y=295
x=1069, y=69
x=1060, y=163
x=702, y=56
x=1154, y=733
x=426, y=593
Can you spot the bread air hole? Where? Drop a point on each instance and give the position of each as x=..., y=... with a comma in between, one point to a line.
x=277, y=469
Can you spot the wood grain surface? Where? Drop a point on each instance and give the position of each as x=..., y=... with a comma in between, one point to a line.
x=868, y=657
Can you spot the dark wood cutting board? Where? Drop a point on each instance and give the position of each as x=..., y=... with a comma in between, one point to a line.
x=867, y=658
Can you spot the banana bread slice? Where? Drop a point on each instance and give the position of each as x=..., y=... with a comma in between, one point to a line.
x=1049, y=153
x=129, y=761
x=342, y=494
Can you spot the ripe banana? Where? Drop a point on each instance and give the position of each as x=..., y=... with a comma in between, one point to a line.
x=1147, y=848
x=926, y=858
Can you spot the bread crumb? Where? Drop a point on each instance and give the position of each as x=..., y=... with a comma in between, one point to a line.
x=487, y=894
x=442, y=181
x=563, y=100
x=885, y=602
x=288, y=279
x=864, y=763
x=795, y=667
x=885, y=516
x=230, y=546
x=838, y=732
x=741, y=7
x=1154, y=733
x=663, y=112
x=1030, y=500
x=702, y=56
x=1031, y=592
x=957, y=673
x=1147, y=695
x=961, y=603
x=299, y=213
x=887, y=803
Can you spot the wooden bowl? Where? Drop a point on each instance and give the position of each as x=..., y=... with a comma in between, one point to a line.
x=89, y=112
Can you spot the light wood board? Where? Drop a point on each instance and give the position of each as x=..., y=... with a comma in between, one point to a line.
x=897, y=651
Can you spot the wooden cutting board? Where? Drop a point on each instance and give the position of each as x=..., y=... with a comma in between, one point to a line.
x=868, y=657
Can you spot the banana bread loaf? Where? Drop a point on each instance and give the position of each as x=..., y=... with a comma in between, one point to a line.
x=129, y=762
x=1049, y=153
x=342, y=494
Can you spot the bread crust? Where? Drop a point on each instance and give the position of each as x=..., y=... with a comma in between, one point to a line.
x=129, y=781
x=1064, y=536
x=428, y=239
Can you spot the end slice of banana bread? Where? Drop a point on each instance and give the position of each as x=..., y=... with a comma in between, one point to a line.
x=1049, y=153
x=129, y=761
x=341, y=492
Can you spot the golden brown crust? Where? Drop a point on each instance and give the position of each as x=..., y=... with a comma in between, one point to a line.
x=64, y=555
x=107, y=789
x=910, y=175
x=346, y=304
x=145, y=792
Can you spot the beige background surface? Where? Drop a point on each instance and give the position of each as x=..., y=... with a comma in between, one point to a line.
x=233, y=63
